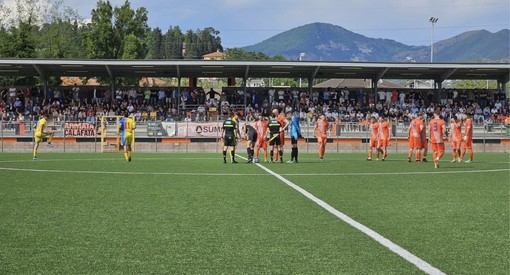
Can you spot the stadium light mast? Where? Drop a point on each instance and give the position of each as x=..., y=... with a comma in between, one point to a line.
x=432, y=20
x=301, y=55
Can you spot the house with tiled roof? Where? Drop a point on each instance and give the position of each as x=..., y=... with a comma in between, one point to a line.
x=217, y=55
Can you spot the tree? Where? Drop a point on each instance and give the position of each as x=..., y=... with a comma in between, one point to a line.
x=109, y=28
x=154, y=44
x=99, y=38
x=173, y=43
x=475, y=84
x=129, y=22
x=241, y=54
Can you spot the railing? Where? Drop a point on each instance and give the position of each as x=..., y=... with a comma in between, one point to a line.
x=208, y=132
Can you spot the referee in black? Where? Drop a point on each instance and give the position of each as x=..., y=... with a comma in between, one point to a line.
x=274, y=141
x=251, y=139
x=229, y=133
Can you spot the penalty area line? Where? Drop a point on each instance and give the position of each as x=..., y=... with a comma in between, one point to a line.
x=403, y=253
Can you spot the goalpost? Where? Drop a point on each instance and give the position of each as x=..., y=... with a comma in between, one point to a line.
x=110, y=134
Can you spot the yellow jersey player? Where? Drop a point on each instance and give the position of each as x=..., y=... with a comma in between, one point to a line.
x=127, y=128
x=41, y=133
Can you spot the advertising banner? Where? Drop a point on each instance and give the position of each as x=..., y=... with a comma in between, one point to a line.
x=79, y=129
x=170, y=128
x=199, y=129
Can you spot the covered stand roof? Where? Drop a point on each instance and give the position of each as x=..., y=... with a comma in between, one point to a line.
x=355, y=83
x=246, y=69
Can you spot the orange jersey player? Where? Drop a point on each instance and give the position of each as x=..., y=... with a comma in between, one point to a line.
x=383, y=137
x=372, y=143
x=414, y=136
x=321, y=132
x=261, y=127
x=437, y=130
x=455, y=138
x=467, y=140
x=424, y=142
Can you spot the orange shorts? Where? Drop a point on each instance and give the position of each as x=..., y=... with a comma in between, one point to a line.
x=414, y=143
x=261, y=143
x=282, y=138
x=456, y=144
x=372, y=143
x=468, y=143
x=438, y=147
x=382, y=143
x=322, y=140
x=424, y=144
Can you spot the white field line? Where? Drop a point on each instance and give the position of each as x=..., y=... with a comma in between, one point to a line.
x=225, y=174
x=406, y=255
x=127, y=172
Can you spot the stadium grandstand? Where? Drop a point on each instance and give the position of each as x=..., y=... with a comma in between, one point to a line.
x=177, y=118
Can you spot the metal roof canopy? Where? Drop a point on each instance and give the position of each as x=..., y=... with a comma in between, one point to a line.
x=253, y=69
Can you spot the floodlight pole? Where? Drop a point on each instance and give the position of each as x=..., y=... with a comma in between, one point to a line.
x=432, y=20
x=301, y=55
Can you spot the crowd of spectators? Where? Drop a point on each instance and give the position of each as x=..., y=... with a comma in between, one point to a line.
x=352, y=105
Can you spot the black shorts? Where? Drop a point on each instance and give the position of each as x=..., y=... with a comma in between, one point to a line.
x=229, y=141
x=275, y=141
x=252, y=136
x=293, y=140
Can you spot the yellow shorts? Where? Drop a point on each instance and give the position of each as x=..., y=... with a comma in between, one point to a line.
x=128, y=140
x=40, y=137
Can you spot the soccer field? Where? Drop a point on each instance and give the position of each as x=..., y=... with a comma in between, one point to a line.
x=191, y=213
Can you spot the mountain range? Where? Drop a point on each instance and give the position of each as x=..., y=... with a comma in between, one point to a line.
x=322, y=41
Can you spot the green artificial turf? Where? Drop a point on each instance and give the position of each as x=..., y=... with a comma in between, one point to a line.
x=190, y=213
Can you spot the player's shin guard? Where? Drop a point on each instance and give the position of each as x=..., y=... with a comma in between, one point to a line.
x=224, y=156
x=280, y=154
x=293, y=154
x=233, y=155
x=271, y=154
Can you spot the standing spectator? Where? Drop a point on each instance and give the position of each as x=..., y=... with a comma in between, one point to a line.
x=271, y=94
x=161, y=97
x=212, y=93
x=132, y=94
x=402, y=98
x=76, y=93
x=147, y=96
x=381, y=96
x=153, y=97
x=387, y=96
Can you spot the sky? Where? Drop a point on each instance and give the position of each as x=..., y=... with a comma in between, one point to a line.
x=247, y=22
